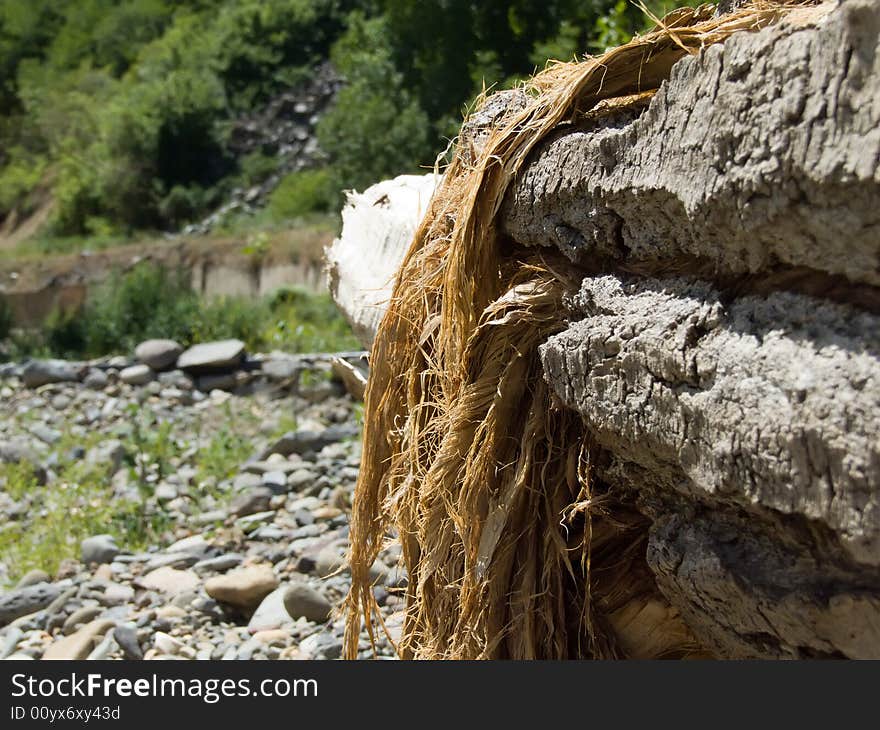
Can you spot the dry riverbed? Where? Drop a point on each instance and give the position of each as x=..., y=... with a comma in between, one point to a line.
x=179, y=515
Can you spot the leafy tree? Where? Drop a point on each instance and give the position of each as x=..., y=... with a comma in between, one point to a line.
x=377, y=127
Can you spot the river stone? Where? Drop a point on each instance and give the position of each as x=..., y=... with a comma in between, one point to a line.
x=303, y=601
x=299, y=442
x=96, y=379
x=254, y=500
x=80, y=644
x=219, y=564
x=109, y=454
x=244, y=588
x=20, y=448
x=32, y=577
x=43, y=372
x=22, y=601
x=98, y=549
x=278, y=369
x=158, y=354
x=136, y=375
x=271, y=613
x=81, y=616
x=212, y=355
x=216, y=381
x=169, y=580
x=126, y=637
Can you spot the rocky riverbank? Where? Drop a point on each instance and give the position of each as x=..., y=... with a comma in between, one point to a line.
x=195, y=509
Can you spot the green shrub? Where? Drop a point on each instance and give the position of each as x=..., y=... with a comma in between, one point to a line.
x=65, y=333
x=301, y=193
x=376, y=127
x=18, y=178
x=146, y=301
x=256, y=167
x=225, y=318
x=6, y=318
x=301, y=321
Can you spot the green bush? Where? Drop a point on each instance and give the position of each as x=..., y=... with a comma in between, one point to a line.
x=301, y=193
x=256, y=167
x=376, y=127
x=65, y=333
x=226, y=318
x=6, y=318
x=150, y=301
x=146, y=301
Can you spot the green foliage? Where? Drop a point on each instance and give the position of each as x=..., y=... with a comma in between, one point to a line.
x=301, y=193
x=222, y=455
x=613, y=29
x=225, y=318
x=18, y=179
x=149, y=301
x=122, y=108
x=304, y=322
x=6, y=318
x=376, y=127
x=256, y=167
x=59, y=518
x=145, y=302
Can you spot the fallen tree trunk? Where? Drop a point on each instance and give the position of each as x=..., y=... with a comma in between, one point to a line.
x=721, y=346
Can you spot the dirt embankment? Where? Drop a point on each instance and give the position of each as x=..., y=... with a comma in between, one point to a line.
x=218, y=266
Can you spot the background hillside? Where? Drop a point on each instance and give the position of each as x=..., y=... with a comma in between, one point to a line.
x=126, y=116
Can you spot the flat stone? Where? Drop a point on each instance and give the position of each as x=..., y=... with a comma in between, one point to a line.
x=300, y=442
x=96, y=379
x=219, y=381
x=272, y=637
x=19, y=449
x=136, y=375
x=158, y=354
x=103, y=649
x=166, y=643
x=300, y=478
x=303, y=601
x=23, y=601
x=43, y=372
x=49, y=436
x=117, y=594
x=81, y=616
x=79, y=644
x=98, y=549
x=276, y=481
x=176, y=379
x=219, y=564
x=10, y=640
x=278, y=369
x=254, y=500
x=126, y=637
x=169, y=580
x=32, y=577
x=246, y=480
x=271, y=613
x=194, y=545
x=243, y=588
x=173, y=560
x=321, y=644
x=212, y=355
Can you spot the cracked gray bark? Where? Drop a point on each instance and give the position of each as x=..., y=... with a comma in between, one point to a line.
x=760, y=152
x=726, y=350
x=761, y=406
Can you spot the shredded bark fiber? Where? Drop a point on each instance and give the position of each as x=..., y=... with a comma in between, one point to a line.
x=512, y=551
